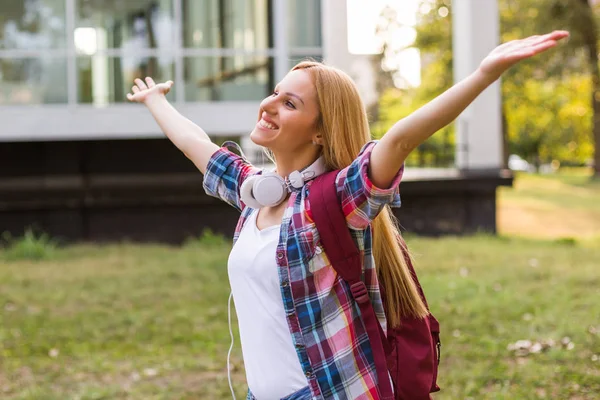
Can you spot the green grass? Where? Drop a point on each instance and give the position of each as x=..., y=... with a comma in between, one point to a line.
x=116, y=322
x=150, y=322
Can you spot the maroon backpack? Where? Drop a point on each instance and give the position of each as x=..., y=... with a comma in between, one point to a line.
x=410, y=353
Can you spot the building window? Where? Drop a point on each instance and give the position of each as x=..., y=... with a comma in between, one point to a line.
x=227, y=78
x=304, y=24
x=32, y=25
x=103, y=79
x=132, y=26
x=117, y=42
x=32, y=52
x=243, y=72
x=228, y=24
x=40, y=80
x=90, y=51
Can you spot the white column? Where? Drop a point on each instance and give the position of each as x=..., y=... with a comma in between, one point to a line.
x=335, y=33
x=178, y=79
x=337, y=54
x=72, y=83
x=476, y=32
x=280, y=38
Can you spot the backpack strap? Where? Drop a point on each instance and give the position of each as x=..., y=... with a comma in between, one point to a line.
x=345, y=259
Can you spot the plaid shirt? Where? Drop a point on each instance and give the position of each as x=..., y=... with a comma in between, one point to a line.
x=323, y=319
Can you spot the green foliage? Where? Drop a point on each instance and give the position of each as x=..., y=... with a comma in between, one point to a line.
x=207, y=239
x=396, y=104
x=30, y=246
x=546, y=121
x=547, y=99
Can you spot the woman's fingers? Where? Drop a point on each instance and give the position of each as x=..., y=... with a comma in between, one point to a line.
x=552, y=36
x=139, y=89
x=164, y=87
x=531, y=50
x=140, y=84
x=134, y=97
x=557, y=35
x=533, y=44
x=541, y=39
x=540, y=47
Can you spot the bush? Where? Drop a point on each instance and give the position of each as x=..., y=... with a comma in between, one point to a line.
x=207, y=239
x=30, y=246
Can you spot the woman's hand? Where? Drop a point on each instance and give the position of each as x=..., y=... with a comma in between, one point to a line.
x=508, y=54
x=143, y=92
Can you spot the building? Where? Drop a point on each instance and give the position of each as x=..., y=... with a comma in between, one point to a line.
x=78, y=161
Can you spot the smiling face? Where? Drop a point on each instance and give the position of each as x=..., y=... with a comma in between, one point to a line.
x=287, y=120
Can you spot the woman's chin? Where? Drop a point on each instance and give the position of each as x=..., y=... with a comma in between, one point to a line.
x=259, y=138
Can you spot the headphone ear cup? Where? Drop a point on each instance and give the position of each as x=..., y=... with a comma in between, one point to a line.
x=269, y=190
x=296, y=179
x=246, y=192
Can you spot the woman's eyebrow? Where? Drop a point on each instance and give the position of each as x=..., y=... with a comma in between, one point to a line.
x=295, y=95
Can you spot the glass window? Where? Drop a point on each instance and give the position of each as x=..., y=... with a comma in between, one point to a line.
x=242, y=24
x=296, y=59
x=242, y=78
x=304, y=23
x=103, y=80
x=33, y=81
x=32, y=24
x=127, y=24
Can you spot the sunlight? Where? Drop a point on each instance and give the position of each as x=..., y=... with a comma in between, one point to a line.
x=362, y=22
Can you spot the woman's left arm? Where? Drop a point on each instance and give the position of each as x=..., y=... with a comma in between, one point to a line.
x=391, y=151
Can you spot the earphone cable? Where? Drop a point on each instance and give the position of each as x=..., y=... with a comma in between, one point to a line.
x=235, y=145
x=231, y=346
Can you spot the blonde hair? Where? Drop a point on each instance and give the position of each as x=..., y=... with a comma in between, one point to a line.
x=344, y=126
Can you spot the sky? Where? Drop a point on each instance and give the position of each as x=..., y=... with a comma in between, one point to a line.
x=362, y=19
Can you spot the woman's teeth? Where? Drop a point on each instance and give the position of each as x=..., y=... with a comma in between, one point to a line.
x=267, y=125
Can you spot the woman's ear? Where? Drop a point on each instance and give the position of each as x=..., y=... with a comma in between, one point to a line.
x=318, y=140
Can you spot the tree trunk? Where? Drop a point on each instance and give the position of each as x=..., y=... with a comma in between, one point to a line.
x=505, y=139
x=589, y=31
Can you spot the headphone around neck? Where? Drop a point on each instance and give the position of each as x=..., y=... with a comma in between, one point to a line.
x=269, y=189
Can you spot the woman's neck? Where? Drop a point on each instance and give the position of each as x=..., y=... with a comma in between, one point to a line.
x=286, y=163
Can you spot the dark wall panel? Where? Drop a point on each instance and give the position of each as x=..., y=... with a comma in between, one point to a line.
x=147, y=190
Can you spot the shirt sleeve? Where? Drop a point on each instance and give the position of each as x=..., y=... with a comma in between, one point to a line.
x=225, y=173
x=361, y=200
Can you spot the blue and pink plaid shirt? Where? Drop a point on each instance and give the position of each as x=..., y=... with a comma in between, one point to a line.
x=323, y=319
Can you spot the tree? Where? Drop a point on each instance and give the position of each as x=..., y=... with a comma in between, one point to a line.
x=581, y=19
x=548, y=88
x=384, y=76
x=398, y=99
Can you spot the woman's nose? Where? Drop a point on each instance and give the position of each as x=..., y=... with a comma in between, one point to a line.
x=268, y=104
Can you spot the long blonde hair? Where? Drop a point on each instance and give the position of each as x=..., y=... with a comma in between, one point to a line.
x=344, y=126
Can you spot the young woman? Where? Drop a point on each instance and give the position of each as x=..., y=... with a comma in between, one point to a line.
x=297, y=319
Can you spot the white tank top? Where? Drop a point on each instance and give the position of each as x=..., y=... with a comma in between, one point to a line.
x=272, y=367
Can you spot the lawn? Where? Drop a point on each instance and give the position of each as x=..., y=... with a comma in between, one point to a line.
x=150, y=322
x=563, y=205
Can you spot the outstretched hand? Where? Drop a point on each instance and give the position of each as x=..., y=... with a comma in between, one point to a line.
x=142, y=91
x=508, y=54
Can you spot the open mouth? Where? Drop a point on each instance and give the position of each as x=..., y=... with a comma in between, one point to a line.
x=267, y=125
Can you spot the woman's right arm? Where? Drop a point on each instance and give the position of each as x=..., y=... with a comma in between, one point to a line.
x=185, y=135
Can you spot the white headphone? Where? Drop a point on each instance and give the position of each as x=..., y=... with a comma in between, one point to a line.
x=269, y=189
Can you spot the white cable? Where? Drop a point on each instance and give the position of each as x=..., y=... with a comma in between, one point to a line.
x=231, y=346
